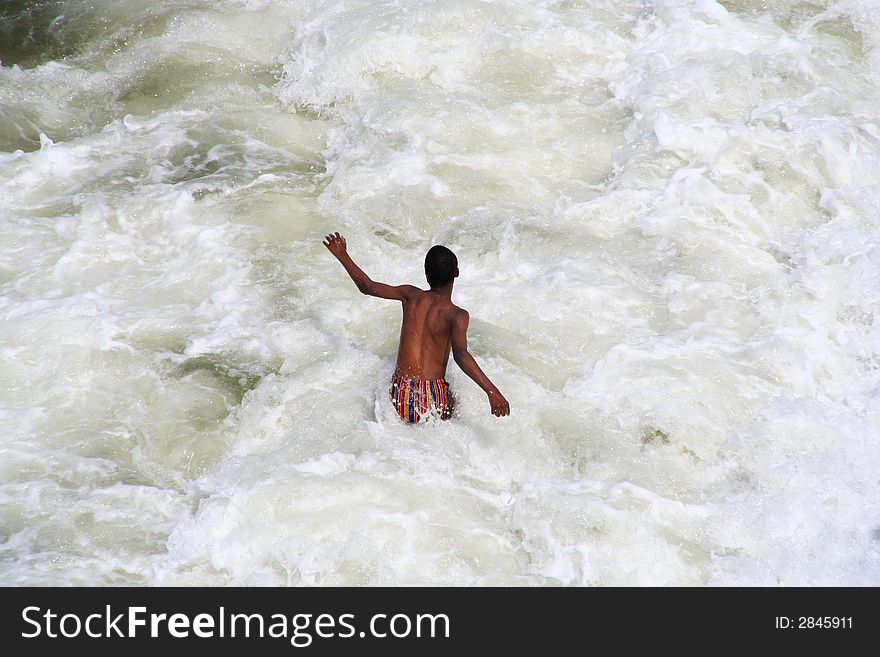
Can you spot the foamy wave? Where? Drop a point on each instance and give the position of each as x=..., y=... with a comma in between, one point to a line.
x=666, y=221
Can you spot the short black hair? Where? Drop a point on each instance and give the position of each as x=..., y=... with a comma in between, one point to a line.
x=441, y=265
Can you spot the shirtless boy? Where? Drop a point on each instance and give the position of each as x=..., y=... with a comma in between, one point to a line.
x=432, y=327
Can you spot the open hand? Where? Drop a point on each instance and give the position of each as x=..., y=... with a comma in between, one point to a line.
x=499, y=404
x=335, y=243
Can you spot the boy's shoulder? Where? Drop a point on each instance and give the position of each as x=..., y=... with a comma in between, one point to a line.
x=457, y=313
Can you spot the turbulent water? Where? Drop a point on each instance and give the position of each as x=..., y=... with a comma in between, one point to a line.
x=666, y=214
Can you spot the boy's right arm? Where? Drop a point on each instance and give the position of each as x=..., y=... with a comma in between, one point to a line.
x=469, y=366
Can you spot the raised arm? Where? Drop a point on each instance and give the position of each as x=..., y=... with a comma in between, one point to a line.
x=469, y=366
x=335, y=243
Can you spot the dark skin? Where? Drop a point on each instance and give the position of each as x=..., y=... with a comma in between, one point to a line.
x=432, y=327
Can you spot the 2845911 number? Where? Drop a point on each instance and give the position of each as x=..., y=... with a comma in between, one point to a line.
x=825, y=622
x=814, y=622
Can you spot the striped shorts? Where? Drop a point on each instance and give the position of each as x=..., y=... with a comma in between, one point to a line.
x=414, y=398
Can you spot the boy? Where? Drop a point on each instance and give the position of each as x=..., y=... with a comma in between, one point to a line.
x=432, y=326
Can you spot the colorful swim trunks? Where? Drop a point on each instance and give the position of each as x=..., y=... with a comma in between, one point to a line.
x=414, y=398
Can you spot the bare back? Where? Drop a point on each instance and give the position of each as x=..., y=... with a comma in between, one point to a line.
x=426, y=333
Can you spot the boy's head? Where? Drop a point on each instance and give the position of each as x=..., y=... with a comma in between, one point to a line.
x=441, y=266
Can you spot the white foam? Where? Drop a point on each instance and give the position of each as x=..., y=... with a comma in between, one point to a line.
x=666, y=223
